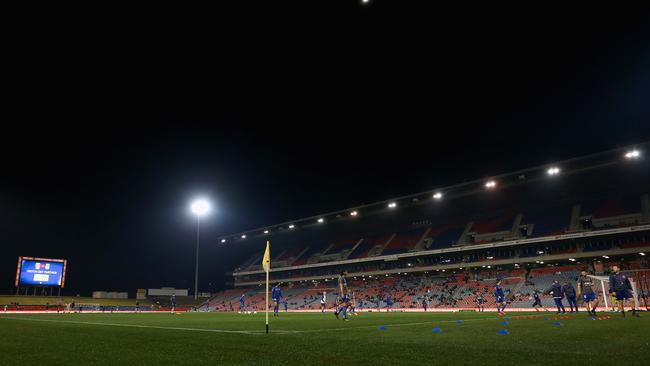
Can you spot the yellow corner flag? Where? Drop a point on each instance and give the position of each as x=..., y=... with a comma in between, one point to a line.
x=266, y=264
x=266, y=261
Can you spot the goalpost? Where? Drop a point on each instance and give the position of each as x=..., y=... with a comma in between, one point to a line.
x=604, y=286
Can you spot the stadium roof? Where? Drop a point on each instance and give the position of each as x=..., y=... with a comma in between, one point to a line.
x=534, y=174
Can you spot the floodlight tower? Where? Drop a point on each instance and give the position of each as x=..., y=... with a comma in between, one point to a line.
x=199, y=207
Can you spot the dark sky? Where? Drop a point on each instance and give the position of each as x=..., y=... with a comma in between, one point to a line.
x=279, y=111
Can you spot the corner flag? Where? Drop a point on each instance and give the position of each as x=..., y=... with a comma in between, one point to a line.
x=266, y=261
x=266, y=264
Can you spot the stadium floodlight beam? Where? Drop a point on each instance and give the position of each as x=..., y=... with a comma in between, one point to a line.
x=266, y=231
x=490, y=184
x=354, y=213
x=243, y=236
x=642, y=254
x=199, y=207
x=392, y=205
x=223, y=240
x=321, y=220
x=437, y=196
x=292, y=226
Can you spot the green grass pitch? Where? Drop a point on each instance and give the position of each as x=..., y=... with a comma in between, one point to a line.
x=319, y=339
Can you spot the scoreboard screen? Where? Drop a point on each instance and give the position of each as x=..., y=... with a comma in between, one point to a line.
x=40, y=272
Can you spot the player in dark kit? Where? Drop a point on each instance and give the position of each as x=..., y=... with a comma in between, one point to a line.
x=558, y=294
x=344, y=298
x=323, y=302
x=620, y=285
x=570, y=294
x=480, y=302
x=586, y=290
x=538, y=300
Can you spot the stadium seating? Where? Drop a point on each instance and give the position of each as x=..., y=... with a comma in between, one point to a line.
x=404, y=241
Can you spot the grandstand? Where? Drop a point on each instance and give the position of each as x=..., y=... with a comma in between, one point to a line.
x=530, y=230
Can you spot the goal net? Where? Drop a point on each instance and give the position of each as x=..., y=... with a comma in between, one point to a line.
x=608, y=301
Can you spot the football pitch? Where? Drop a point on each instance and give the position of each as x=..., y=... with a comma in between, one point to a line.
x=320, y=339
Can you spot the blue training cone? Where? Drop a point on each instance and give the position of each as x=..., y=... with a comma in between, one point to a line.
x=382, y=328
x=436, y=330
x=504, y=331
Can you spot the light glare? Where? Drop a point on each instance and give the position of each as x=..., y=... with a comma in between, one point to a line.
x=200, y=207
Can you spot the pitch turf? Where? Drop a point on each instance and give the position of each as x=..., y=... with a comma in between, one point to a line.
x=319, y=339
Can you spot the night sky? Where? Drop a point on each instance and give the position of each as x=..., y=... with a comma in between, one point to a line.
x=288, y=110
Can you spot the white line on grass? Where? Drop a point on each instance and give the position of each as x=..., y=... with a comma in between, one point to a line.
x=139, y=326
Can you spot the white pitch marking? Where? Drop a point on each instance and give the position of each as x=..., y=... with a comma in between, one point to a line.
x=136, y=326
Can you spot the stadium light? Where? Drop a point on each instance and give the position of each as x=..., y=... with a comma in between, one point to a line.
x=321, y=220
x=243, y=236
x=223, y=240
x=292, y=226
x=632, y=154
x=606, y=256
x=641, y=254
x=354, y=213
x=437, y=196
x=266, y=231
x=490, y=257
x=572, y=259
x=553, y=171
x=392, y=205
x=199, y=207
x=490, y=184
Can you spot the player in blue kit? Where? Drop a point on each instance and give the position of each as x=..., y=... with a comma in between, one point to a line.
x=619, y=284
x=500, y=297
x=286, y=305
x=389, y=302
x=344, y=298
x=276, y=295
x=558, y=294
x=242, y=303
x=586, y=289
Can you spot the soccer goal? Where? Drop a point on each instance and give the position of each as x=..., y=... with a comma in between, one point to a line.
x=603, y=281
